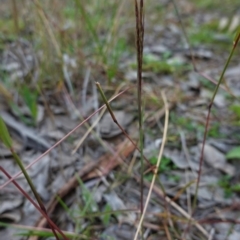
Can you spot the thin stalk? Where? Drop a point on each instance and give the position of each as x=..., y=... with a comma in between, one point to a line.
x=139, y=46
x=116, y=121
x=30, y=183
x=157, y=165
x=235, y=43
x=7, y=141
x=218, y=85
x=51, y=223
x=15, y=16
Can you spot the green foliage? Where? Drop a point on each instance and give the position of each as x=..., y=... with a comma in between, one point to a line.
x=4, y=134
x=148, y=177
x=234, y=153
x=207, y=84
x=5, y=137
x=8, y=29
x=191, y=126
x=30, y=98
x=236, y=110
x=114, y=56
x=18, y=112
x=214, y=131
x=224, y=182
x=185, y=123
x=174, y=178
x=206, y=34
x=151, y=63
x=236, y=188
x=165, y=167
x=90, y=204
x=237, y=32
x=215, y=4
x=166, y=66
x=201, y=36
x=106, y=50
x=38, y=233
x=106, y=215
x=229, y=188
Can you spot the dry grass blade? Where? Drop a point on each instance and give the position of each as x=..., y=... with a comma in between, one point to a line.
x=91, y=128
x=157, y=165
x=48, y=27
x=180, y=210
x=15, y=16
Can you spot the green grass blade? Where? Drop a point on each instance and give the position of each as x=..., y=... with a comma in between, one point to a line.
x=4, y=134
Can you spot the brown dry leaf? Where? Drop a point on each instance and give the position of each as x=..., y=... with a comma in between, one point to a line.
x=117, y=203
x=232, y=79
x=110, y=162
x=216, y=159
x=177, y=157
x=29, y=136
x=109, y=129
x=122, y=232
x=13, y=216
x=19, y=60
x=86, y=173
x=9, y=203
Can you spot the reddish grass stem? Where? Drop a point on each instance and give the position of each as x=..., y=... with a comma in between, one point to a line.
x=41, y=210
x=139, y=46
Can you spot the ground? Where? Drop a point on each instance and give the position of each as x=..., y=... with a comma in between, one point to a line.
x=87, y=170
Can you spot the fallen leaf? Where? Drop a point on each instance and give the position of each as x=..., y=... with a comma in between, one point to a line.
x=216, y=159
